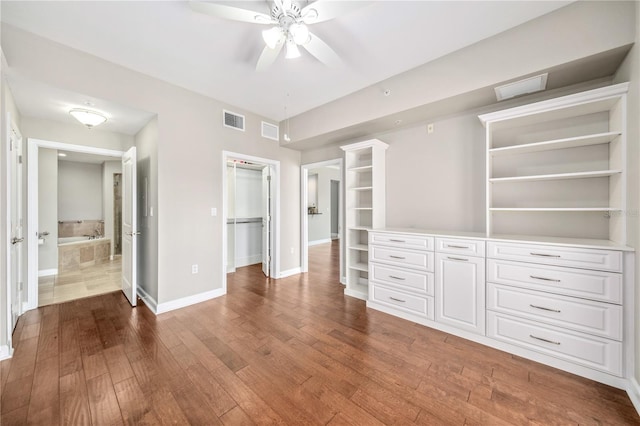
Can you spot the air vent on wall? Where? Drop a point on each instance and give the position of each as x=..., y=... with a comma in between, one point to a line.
x=233, y=120
x=521, y=87
x=270, y=131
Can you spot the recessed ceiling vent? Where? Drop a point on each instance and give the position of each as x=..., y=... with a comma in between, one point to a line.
x=233, y=120
x=270, y=131
x=522, y=87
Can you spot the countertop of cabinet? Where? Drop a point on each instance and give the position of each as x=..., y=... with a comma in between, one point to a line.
x=559, y=241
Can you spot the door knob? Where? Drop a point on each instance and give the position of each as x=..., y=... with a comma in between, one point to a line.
x=17, y=240
x=135, y=233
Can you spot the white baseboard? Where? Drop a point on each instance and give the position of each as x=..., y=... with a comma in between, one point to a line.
x=4, y=352
x=189, y=300
x=316, y=242
x=633, y=390
x=47, y=272
x=249, y=260
x=148, y=300
x=289, y=272
x=335, y=236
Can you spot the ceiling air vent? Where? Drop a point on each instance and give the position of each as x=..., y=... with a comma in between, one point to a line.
x=522, y=87
x=270, y=131
x=233, y=120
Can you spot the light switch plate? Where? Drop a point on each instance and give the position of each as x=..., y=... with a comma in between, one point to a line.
x=214, y=211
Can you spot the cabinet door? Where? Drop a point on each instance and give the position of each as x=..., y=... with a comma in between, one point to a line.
x=460, y=292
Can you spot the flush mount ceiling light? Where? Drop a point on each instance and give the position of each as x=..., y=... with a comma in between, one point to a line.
x=522, y=87
x=88, y=118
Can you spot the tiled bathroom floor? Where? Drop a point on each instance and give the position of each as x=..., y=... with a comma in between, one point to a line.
x=87, y=281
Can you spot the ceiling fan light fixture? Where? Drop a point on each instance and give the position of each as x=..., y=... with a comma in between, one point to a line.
x=88, y=118
x=299, y=33
x=292, y=50
x=272, y=37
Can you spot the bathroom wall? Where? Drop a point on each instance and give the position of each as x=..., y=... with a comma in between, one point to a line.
x=47, y=211
x=319, y=227
x=79, y=191
x=109, y=168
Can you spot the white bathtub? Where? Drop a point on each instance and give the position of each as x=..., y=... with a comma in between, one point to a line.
x=70, y=240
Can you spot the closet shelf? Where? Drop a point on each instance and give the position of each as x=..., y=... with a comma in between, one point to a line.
x=360, y=228
x=361, y=188
x=557, y=176
x=360, y=247
x=362, y=208
x=361, y=168
x=554, y=209
x=360, y=267
x=575, y=142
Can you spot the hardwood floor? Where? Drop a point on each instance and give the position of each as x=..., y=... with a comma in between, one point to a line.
x=290, y=351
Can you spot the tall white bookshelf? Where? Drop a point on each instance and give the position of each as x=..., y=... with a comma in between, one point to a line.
x=558, y=167
x=364, y=209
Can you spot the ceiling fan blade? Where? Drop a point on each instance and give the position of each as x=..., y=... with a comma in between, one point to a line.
x=324, y=10
x=230, y=12
x=268, y=56
x=322, y=51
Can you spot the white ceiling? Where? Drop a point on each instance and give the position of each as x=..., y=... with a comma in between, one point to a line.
x=215, y=57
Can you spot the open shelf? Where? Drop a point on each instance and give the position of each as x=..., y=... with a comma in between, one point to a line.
x=360, y=169
x=361, y=188
x=361, y=247
x=362, y=208
x=360, y=228
x=574, y=142
x=360, y=267
x=557, y=176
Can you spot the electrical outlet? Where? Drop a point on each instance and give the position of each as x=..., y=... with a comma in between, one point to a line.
x=430, y=128
x=194, y=269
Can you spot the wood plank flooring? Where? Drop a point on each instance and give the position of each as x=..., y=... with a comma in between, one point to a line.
x=290, y=351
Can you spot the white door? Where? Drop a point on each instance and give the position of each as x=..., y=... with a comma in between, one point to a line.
x=129, y=226
x=16, y=240
x=460, y=291
x=266, y=220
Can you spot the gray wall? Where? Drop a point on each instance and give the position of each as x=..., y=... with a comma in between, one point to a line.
x=319, y=226
x=437, y=180
x=47, y=208
x=79, y=191
x=146, y=141
x=630, y=71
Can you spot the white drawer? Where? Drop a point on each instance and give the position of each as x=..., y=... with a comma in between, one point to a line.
x=597, y=318
x=415, y=242
x=422, y=260
x=416, y=305
x=602, y=260
x=459, y=246
x=591, y=351
x=596, y=285
x=420, y=282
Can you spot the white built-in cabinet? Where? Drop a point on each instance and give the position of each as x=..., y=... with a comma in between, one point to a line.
x=558, y=167
x=460, y=284
x=364, y=209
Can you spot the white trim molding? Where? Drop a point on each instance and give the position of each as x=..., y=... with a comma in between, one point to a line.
x=149, y=301
x=189, y=300
x=4, y=352
x=633, y=390
x=289, y=272
x=47, y=272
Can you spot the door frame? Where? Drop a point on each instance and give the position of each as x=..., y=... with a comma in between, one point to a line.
x=304, y=216
x=33, y=146
x=275, y=211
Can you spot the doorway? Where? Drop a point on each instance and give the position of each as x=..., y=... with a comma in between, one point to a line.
x=92, y=247
x=321, y=208
x=250, y=214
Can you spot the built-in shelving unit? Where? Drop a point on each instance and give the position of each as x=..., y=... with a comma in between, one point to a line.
x=365, y=209
x=558, y=167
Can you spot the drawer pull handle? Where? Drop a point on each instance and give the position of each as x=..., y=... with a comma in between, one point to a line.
x=397, y=300
x=544, y=255
x=544, y=340
x=396, y=257
x=457, y=258
x=397, y=241
x=397, y=278
x=544, y=279
x=545, y=309
x=454, y=246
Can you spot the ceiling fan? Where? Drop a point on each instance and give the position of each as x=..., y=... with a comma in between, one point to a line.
x=289, y=26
